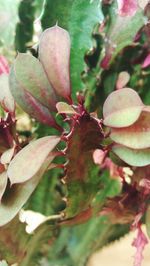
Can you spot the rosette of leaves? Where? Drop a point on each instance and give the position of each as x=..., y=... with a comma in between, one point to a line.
x=129, y=122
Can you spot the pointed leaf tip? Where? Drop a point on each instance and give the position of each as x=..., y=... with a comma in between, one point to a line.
x=54, y=54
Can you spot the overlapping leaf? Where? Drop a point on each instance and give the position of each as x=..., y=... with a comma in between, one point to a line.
x=30, y=159
x=131, y=156
x=122, y=108
x=136, y=136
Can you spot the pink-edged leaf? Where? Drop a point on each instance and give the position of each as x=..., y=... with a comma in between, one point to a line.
x=139, y=243
x=4, y=67
x=7, y=156
x=122, y=108
x=54, y=54
x=64, y=108
x=136, y=136
x=29, y=103
x=3, y=183
x=132, y=157
x=6, y=98
x=123, y=79
x=17, y=195
x=127, y=7
x=30, y=75
x=146, y=62
x=30, y=159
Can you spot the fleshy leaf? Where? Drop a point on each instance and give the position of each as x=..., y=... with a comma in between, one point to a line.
x=64, y=108
x=54, y=54
x=131, y=156
x=122, y=29
x=17, y=195
x=3, y=183
x=123, y=79
x=29, y=103
x=31, y=76
x=81, y=178
x=122, y=108
x=30, y=159
x=6, y=98
x=7, y=156
x=136, y=136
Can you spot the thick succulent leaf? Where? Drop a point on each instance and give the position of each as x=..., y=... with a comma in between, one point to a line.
x=7, y=156
x=29, y=103
x=136, y=136
x=131, y=156
x=79, y=17
x=123, y=28
x=123, y=79
x=84, y=16
x=3, y=183
x=17, y=195
x=30, y=159
x=30, y=75
x=122, y=108
x=54, y=54
x=64, y=108
x=6, y=98
x=82, y=180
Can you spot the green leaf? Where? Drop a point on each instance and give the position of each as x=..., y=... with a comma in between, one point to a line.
x=136, y=136
x=17, y=195
x=122, y=30
x=122, y=108
x=131, y=156
x=82, y=180
x=30, y=75
x=84, y=16
x=30, y=159
x=26, y=100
